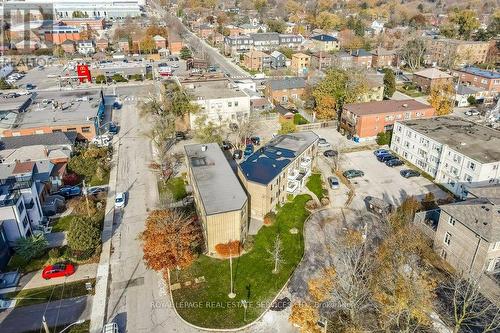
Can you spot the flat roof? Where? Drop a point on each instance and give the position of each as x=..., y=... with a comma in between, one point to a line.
x=478, y=142
x=14, y=104
x=480, y=72
x=270, y=160
x=433, y=73
x=387, y=106
x=213, y=89
x=219, y=188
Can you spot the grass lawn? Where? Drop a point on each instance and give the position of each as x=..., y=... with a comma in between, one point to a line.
x=52, y=293
x=207, y=304
x=411, y=91
x=315, y=185
x=82, y=328
x=175, y=186
x=17, y=262
x=63, y=223
x=298, y=119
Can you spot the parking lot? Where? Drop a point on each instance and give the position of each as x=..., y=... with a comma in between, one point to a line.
x=384, y=182
x=48, y=77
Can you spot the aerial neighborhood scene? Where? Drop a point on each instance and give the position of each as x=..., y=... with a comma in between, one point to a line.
x=248, y=166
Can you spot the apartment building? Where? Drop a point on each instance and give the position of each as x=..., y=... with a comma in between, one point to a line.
x=428, y=78
x=20, y=208
x=468, y=232
x=479, y=78
x=220, y=101
x=451, y=53
x=366, y=120
x=84, y=23
x=282, y=91
x=300, y=63
x=221, y=202
x=257, y=60
x=276, y=170
x=58, y=34
x=325, y=43
x=266, y=42
x=455, y=152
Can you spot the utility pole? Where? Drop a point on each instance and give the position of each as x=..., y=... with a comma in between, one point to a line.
x=44, y=324
x=86, y=197
x=231, y=293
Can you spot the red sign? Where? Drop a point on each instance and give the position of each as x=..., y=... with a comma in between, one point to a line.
x=83, y=73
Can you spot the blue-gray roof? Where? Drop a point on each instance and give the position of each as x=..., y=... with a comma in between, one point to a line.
x=360, y=53
x=324, y=38
x=46, y=139
x=270, y=160
x=481, y=72
x=288, y=83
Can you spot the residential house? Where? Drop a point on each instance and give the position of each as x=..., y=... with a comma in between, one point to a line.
x=427, y=78
x=175, y=43
x=85, y=47
x=252, y=28
x=160, y=42
x=377, y=27
x=322, y=60
x=276, y=170
x=278, y=60
x=282, y=91
x=124, y=45
x=301, y=63
x=343, y=60
x=451, y=53
x=221, y=202
x=361, y=58
x=219, y=100
x=463, y=93
x=455, y=152
x=233, y=30
x=257, y=60
x=68, y=46
x=325, y=43
x=102, y=44
x=384, y=58
x=366, y=120
x=205, y=30
x=487, y=80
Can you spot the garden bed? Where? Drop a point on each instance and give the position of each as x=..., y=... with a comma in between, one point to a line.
x=315, y=185
x=207, y=304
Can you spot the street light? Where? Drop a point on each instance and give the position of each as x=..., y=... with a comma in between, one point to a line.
x=46, y=327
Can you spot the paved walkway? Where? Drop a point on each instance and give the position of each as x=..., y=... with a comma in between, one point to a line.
x=29, y=318
x=34, y=279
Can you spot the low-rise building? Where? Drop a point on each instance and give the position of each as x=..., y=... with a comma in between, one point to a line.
x=87, y=23
x=455, y=152
x=450, y=53
x=366, y=120
x=85, y=47
x=325, y=43
x=58, y=34
x=322, y=60
x=384, y=58
x=220, y=101
x=266, y=42
x=480, y=78
x=361, y=58
x=124, y=45
x=282, y=91
x=278, y=60
x=102, y=44
x=427, y=78
x=463, y=94
x=221, y=202
x=257, y=60
x=160, y=42
x=276, y=170
x=300, y=63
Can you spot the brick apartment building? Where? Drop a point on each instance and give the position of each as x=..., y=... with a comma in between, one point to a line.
x=427, y=78
x=450, y=53
x=366, y=120
x=479, y=78
x=256, y=60
x=59, y=34
x=282, y=91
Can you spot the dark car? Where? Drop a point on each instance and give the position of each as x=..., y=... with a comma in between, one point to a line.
x=237, y=154
x=385, y=158
x=353, y=173
x=180, y=136
x=30, y=86
x=394, y=162
x=96, y=190
x=379, y=152
x=408, y=173
x=248, y=150
x=226, y=145
x=330, y=153
x=69, y=191
x=255, y=140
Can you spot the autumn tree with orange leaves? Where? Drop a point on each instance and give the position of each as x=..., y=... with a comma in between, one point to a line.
x=169, y=240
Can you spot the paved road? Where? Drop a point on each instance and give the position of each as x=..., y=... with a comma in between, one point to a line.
x=27, y=318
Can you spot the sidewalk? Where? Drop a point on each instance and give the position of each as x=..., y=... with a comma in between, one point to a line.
x=34, y=279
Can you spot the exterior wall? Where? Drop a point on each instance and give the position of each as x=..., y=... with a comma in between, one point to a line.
x=175, y=46
x=363, y=61
x=94, y=24
x=326, y=46
x=284, y=95
x=382, y=60
x=59, y=37
x=15, y=221
x=426, y=84
x=300, y=63
x=466, y=250
x=225, y=227
x=86, y=131
x=492, y=85
x=451, y=53
x=222, y=110
x=252, y=61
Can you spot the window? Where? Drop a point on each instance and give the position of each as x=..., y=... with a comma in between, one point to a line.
x=56, y=131
x=447, y=238
x=72, y=129
x=20, y=207
x=235, y=103
x=451, y=220
x=229, y=104
x=472, y=165
x=443, y=254
x=467, y=178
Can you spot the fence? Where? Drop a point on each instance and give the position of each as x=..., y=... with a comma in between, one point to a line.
x=313, y=126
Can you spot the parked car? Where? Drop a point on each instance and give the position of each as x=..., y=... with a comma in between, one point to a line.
x=70, y=191
x=237, y=154
x=249, y=147
x=385, y=158
x=394, y=162
x=120, y=200
x=471, y=112
x=353, y=173
x=322, y=143
x=96, y=190
x=255, y=140
x=408, y=173
x=330, y=153
x=248, y=150
x=226, y=145
x=334, y=183
x=30, y=86
x=111, y=128
x=57, y=270
x=180, y=136
x=379, y=152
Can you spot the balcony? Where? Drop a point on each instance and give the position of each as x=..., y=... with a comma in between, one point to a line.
x=9, y=199
x=293, y=174
x=305, y=163
x=292, y=187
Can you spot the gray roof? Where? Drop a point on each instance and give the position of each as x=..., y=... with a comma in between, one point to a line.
x=265, y=36
x=468, y=90
x=219, y=188
x=215, y=89
x=475, y=141
x=48, y=139
x=289, y=83
x=481, y=215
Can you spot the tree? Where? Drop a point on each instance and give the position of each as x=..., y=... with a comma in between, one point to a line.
x=246, y=128
x=100, y=79
x=441, y=98
x=147, y=44
x=328, y=21
x=471, y=100
x=276, y=25
x=418, y=21
x=384, y=138
x=413, y=53
x=325, y=107
x=31, y=247
x=466, y=21
x=4, y=85
x=185, y=53
x=83, y=237
x=260, y=6
x=389, y=83
x=207, y=131
x=287, y=126
x=58, y=51
x=169, y=240
x=276, y=252
x=306, y=317
x=118, y=78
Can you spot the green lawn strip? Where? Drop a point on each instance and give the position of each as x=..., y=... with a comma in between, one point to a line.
x=177, y=187
x=298, y=119
x=207, y=304
x=63, y=223
x=17, y=262
x=44, y=294
x=81, y=328
x=315, y=185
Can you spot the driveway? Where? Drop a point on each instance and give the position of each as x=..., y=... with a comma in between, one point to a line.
x=35, y=280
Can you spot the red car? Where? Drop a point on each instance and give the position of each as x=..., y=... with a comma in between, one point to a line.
x=57, y=270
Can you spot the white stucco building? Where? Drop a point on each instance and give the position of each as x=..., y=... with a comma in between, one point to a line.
x=457, y=153
x=221, y=101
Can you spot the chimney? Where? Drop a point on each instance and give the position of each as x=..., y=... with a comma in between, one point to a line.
x=405, y=105
x=204, y=147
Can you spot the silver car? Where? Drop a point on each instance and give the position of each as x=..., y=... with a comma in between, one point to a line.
x=334, y=183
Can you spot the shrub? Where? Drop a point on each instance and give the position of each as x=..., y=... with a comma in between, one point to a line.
x=71, y=179
x=384, y=138
x=54, y=253
x=118, y=78
x=100, y=79
x=31, y=247
x=83, y=238
x=224, y=250
x=269, y=218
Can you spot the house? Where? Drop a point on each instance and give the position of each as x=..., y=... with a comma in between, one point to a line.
x=455, y=152
x=375, y=89
x=343, y=60
x=257, y=60
x=219, y=100
x=102, y=44
x=325, y=43
x=232, y=30
x=69, y=46
x=285, y=113
x=451, y=53
x=376, y=27
x=278, y=60
x=85, y=47
x=282, y=91
x=468, y=232
x=124, y=45
x=383, y=58
x=276, y=170
x=221, y=202
x=20, y=208
x=361, y=58
x=322, y=60
x=366, y=120
x=301, y=63
x=175, y=43
x=463, y=93
x=486, y=80
x=427, y=78
x=252, y=28
x=160, y=42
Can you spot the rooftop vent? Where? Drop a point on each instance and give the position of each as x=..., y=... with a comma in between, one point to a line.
x=203, y=147
x=463, y=143
x=405, y=105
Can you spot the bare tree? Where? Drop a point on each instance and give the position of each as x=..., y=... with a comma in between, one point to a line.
x=413, y=53
x=276, y=252
x=246, y=128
